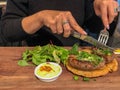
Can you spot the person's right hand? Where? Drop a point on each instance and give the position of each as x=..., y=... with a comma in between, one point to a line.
x=60, y=22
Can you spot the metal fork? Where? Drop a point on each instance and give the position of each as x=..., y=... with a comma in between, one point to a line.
x=104, y=34
x=103, y=37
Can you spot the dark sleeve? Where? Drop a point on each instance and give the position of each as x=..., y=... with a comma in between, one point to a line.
x=88, y=9
x=92, y=21
x=12, y=29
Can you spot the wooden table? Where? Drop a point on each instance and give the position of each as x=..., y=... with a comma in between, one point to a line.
x=14, y=77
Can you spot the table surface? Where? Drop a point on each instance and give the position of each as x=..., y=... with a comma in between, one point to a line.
x=14, y=77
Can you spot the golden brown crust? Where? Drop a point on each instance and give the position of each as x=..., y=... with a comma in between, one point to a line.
x=110, y=67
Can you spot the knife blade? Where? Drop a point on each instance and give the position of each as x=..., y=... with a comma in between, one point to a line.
x=90, y=40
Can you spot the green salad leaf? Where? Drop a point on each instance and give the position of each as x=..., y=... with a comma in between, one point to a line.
x=41, y=54
x=23, y=63
x=74, y=50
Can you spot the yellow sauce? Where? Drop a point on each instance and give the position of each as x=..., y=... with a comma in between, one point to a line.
x=48, y=70
x=117, y=51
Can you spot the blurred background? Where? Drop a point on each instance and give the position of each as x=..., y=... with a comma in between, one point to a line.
x=2, y=6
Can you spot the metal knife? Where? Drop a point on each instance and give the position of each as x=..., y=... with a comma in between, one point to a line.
x=90, y=40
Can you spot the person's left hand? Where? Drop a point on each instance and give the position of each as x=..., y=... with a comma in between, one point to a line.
x=106, y=9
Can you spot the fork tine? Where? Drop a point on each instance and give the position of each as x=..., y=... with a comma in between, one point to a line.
x=103, y=37
x=104, y=40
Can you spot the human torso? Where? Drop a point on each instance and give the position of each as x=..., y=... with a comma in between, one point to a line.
x=75, y=6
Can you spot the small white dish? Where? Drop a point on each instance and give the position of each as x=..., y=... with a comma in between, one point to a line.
x=48, y=71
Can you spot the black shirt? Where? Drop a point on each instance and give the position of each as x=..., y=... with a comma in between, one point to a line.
x=18, y=9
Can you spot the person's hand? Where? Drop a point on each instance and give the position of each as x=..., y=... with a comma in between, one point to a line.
x=106, y=9
x=60, y=22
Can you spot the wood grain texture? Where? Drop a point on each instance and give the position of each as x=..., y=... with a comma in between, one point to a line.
x=14, y=77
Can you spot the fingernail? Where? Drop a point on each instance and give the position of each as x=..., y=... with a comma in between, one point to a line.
x=108, y=27
x=84, y=33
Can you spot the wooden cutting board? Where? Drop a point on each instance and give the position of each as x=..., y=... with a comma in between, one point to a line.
x=14, y=77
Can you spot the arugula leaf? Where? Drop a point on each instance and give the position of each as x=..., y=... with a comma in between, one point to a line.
x=23, y=63
x=41, y=54
x=56, y=57
x=74, y=49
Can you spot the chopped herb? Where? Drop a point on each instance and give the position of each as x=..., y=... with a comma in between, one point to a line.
x=75, y=77
x=103, y=51
x=94, y=79
x=85, y=56
x=86, y=79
